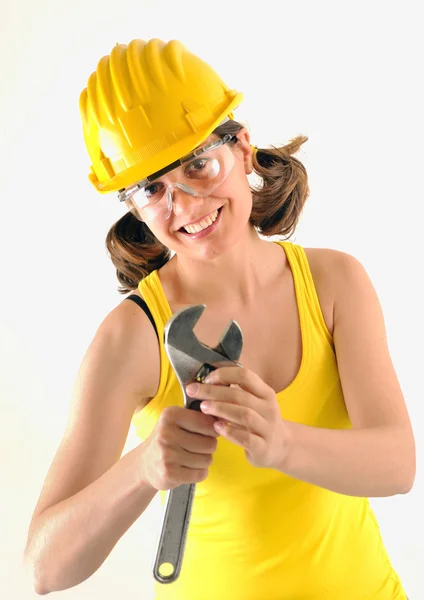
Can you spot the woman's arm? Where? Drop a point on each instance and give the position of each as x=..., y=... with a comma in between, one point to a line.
x=377, y=456
x=91, y=496
x=375, y=461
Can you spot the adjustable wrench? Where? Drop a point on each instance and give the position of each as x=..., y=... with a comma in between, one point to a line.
x=191, y=361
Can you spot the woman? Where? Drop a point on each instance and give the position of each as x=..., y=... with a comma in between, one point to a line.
x=285, y=450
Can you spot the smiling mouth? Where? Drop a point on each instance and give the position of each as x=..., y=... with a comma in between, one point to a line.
x=202, y=224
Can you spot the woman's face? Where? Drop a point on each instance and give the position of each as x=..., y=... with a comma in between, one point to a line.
x=222, y=217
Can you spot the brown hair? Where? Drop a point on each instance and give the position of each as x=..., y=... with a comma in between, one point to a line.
x=277, y=206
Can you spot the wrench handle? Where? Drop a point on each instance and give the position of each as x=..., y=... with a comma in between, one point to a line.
x=172, y=541
x=169, y=557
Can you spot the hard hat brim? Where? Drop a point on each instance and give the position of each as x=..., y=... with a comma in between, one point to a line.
x=165, y=157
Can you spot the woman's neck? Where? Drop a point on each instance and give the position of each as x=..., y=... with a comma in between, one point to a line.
x=235, y=277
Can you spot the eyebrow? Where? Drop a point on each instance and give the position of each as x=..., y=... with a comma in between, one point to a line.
x=175, y=164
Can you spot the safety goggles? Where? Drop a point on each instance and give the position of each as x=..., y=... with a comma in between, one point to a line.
x=199, y=173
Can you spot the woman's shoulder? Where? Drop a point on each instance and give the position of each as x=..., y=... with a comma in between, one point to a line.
x=132, y=334
x=329, y=264
x=339, y=273
x=329, y=268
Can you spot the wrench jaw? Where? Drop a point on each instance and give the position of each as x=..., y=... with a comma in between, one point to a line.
x=192, y=360
x=231, y=342
x=179, y=329
x=179, y=336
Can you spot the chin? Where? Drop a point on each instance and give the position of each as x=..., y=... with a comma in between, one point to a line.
x=214, y=248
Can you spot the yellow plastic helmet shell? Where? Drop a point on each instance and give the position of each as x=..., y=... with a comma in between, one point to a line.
x=146, y=105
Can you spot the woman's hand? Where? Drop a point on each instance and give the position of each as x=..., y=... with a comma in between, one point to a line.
x=248, y=413
x=179, y=450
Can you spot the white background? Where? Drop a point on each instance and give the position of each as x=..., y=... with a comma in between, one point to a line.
x=345, y=74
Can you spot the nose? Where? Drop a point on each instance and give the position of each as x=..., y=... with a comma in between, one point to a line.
x=183, y=200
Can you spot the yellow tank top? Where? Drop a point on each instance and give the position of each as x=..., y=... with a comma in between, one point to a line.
x=257, y=534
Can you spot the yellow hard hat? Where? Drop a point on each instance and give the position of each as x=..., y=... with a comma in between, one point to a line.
x=147, y=105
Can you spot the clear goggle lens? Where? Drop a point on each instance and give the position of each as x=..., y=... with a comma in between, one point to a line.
x=200, y=175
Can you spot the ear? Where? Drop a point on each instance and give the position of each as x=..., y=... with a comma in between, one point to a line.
x=245, y=149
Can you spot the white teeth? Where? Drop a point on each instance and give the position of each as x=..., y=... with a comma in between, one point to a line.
x=206, y=222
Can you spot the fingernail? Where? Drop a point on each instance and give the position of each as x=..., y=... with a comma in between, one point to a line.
x=192, y=388
x=205, y=406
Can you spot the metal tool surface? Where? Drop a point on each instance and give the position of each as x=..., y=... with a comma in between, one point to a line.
x=191, y=361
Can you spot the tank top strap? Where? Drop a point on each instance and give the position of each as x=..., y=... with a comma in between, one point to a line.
x=152, y=292
x=307, y=297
